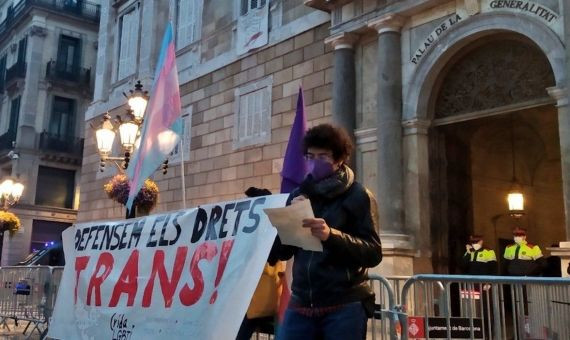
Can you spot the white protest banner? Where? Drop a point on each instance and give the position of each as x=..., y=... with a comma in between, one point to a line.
x=179, y=275
x=253, y=29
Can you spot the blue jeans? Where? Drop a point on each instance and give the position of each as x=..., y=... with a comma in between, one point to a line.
x=348, y=322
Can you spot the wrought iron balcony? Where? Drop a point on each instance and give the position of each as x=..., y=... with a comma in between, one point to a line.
x=18, y=70
x=73, y=146
x=59, y=72
x=82, y=9
x=7, y=140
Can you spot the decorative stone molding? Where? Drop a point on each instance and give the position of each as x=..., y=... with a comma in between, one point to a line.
x=388, y=23
x=560, y=94
x=342, y=40
x=416, y=126
x=364, y=136
x=472, y=7
x=325, y=5
x=38, y=31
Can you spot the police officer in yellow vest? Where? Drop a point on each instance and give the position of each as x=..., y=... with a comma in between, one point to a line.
x=523, y=258
x=478, y=260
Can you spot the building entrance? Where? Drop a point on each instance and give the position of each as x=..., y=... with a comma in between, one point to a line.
x=493, y=125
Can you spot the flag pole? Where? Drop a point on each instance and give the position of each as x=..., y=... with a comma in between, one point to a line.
x=182, y=167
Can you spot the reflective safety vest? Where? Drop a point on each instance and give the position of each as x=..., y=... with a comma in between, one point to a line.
x=525, y=251
x=481, y=255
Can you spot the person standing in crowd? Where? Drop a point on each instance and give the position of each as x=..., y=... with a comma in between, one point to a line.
x=264, y=303
x=331, y=298
x=479, y=260
x=523, y=258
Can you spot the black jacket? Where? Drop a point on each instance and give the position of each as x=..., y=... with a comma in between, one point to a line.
x=338, y=274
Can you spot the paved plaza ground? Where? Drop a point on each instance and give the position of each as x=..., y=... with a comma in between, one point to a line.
x=14, y=332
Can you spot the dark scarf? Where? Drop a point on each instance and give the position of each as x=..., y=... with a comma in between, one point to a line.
x=329, y=187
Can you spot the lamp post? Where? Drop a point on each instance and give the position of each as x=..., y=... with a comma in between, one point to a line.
x=128, y=130
x=10, y=192
x=515, y=198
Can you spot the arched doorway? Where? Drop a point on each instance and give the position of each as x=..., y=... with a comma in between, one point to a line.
x=492, y=120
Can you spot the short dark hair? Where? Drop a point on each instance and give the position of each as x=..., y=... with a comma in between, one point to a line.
x=329, y=137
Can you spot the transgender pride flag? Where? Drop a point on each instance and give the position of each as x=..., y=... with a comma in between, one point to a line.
x=162, y=125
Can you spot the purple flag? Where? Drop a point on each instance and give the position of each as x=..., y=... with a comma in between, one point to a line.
x=294, y=164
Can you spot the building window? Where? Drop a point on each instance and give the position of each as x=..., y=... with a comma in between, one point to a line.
x=14, y=116
x=176, y=154
x=247, y=5
x=128, y=43
x=55, y=187
x=253, y=113
x=62, y=120
x=188, y=22
x=3, y=60
x=68, y=54
x=46, y=232
x=22, y=48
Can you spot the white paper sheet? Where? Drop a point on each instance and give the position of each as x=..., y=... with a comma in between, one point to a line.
x=289, y=224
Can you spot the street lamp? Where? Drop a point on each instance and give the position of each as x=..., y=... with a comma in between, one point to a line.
x=129, y=130
x=138, y=99
x=10, y=193
x=515, y=198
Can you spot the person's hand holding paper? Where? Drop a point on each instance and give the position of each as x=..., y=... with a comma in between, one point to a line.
x=289, y=224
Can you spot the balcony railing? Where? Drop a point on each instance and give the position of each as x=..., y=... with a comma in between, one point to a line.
x=60, y=72
x=61, y=144
x=7, y=140
x=82, y=9
x=18, y=70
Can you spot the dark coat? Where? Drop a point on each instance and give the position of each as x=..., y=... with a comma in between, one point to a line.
x=337, y=275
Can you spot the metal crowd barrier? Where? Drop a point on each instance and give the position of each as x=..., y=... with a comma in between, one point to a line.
x=28, y=294
x=484, y=307
x=384, y=323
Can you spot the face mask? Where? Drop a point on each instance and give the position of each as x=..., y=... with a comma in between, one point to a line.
x=320, y=169
x=476, y=246
x=518, y=239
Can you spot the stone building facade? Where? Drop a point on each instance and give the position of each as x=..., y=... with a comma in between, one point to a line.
x=47, y=57
x=456, y=101
x=448, y=102
x=220, y=164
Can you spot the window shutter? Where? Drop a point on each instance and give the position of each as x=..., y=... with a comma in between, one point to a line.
x=257, y=114
x=191, y=27
x=176, y=153
x=129, y=44
x=124, y=46
x=243, y=111
x=265, y=119
x=183, y=21
x=253, y=114
x=187, y=136
x=133, y=41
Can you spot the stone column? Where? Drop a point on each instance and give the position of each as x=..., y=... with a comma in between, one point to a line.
x=397, y=247
x=389, y=124
x=561, y=95
x=344, y=81
x=417, y=191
